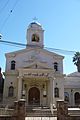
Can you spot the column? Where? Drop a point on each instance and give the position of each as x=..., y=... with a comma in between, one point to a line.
x=71, y=97
x=51, y=94
x=51, y=88
x=19, y=87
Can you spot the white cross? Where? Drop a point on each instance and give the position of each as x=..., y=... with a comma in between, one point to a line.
x=35, y=19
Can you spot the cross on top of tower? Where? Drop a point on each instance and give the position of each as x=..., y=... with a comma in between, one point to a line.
x=35, y=19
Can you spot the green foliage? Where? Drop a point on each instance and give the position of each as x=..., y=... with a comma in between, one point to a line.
x=76, y=60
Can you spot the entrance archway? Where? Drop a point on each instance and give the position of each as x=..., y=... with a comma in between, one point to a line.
x=34, y=96
x=77, y=98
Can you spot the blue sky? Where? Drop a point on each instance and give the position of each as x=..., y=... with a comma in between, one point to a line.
x=59, y=18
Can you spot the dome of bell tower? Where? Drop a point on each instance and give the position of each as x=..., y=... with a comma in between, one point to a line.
x=35, y=25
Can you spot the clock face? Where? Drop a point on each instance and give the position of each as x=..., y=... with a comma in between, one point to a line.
x=35, y=38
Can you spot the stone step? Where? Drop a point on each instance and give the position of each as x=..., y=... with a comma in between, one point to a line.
x=41, y=118
x=45, y=112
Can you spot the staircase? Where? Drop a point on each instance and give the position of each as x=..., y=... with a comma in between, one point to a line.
x=37, y=111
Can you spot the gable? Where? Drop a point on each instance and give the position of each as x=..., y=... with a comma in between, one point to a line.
x=36, y=49
x=30, y=56
x=52, y=54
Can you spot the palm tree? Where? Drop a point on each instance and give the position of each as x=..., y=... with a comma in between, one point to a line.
x=76, y=60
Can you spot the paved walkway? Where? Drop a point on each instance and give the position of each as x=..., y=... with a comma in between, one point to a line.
x=41, y=118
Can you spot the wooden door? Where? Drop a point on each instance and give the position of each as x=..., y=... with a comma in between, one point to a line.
x=34, y=96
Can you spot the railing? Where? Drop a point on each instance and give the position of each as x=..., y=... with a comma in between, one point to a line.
x=75, y=106
x=6, y=111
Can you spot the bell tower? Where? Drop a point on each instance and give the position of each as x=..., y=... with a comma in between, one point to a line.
x=35, y=35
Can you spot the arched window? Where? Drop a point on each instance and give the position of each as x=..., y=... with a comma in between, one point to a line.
x=66, y=96
x=35, y=38
x=56, y=66
x=56, y=92
x=77, y=98
x=11, y=91
x=13, y=65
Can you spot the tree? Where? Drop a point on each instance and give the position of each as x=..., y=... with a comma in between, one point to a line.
x=76, y=60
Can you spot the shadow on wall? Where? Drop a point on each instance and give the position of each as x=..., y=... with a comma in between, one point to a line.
x=1, y=85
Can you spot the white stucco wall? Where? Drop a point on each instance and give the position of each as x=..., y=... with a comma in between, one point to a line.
x=71, y=86
x=29, y=56
x=10, y=80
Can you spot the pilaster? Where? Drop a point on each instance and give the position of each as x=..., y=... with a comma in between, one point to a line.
x=19, y=87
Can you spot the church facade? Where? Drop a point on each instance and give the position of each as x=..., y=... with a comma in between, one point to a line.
x=35, y=73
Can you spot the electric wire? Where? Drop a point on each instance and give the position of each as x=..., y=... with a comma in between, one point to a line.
x=4, y=6
x=6, y=19
x=14, y=6
x=4, y=22
x=15, y=44
x=20, y=44
x=67, y=52
x=2, y=10
x=12, y=43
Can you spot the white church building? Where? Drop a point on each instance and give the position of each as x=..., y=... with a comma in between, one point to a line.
x=36, y=74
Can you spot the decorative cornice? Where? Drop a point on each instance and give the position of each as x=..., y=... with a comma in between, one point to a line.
x=11, y=72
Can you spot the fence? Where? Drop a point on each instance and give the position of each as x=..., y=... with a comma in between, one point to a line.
x=19, y=112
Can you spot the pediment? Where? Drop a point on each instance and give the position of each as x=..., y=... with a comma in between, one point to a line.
x=37, y=65
x=35, y=50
